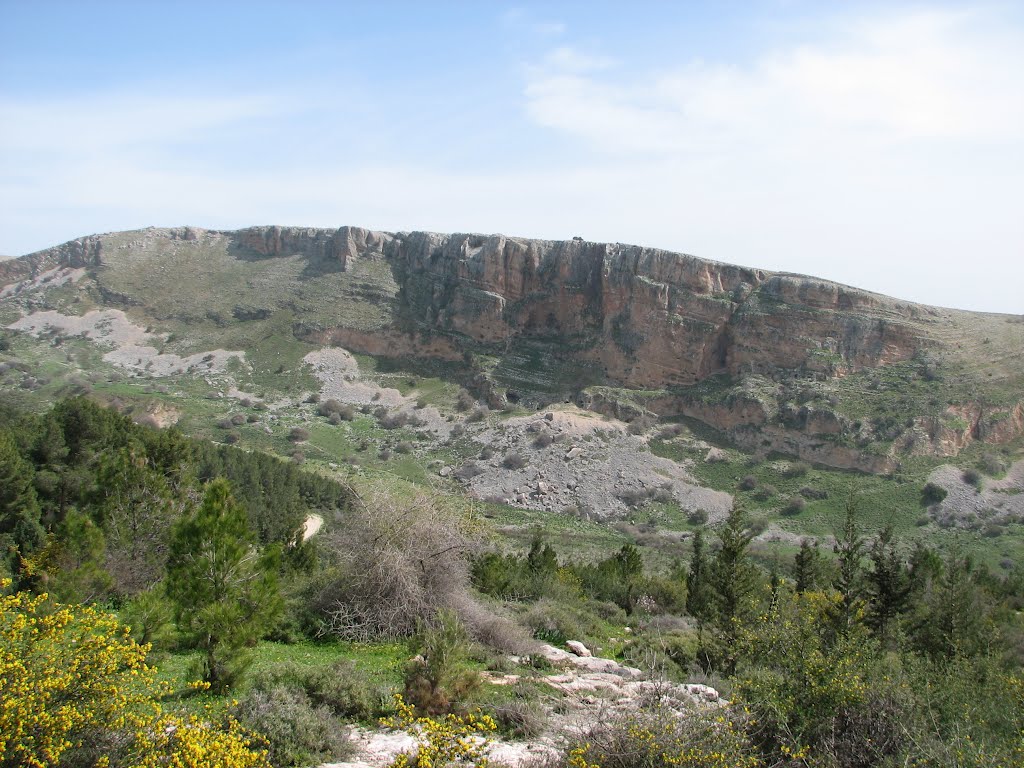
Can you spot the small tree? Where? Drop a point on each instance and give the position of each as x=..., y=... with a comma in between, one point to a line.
x=888, y=583
x=698, y=588
x=224, y=589
x=20, y=529
x=733, y=576
x=849, y=549
x=807, y=567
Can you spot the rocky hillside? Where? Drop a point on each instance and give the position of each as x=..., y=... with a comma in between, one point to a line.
x=773, y=361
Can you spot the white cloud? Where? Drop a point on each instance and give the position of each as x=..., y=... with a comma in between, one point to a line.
x=900, y=78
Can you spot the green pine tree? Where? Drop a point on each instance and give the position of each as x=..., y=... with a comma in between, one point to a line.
x=807, y=567
x=734, y=578
x=20, y=529
x=849, y=549
x=698, y=587
x=223, y=588
x=888, y=583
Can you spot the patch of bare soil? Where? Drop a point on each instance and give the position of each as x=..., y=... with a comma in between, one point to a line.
x=965, y=505
x=51, y=278
x=340, y=379
x=311, y=526
x=132, y=344
x=570, y=459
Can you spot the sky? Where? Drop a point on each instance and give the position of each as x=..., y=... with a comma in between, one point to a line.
x=876, y=144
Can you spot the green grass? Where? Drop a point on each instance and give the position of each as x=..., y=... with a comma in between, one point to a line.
x=382, y=663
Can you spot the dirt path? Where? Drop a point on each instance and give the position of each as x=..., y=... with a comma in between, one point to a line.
x=585, y=689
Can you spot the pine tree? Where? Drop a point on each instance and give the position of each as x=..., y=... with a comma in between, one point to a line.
x=136, y=506
x=849, y=548
x=698, y=588
x=224, y=590
x=888, y=583
x=953, y=614
x=733, y=576
x=542, y=561
x=20, y=529
x=807, y=567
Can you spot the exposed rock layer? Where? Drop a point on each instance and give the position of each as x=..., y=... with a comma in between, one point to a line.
x=650, y=317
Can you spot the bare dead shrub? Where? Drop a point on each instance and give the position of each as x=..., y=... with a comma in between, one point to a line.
x=397, y=562
x=478, y=414
x=335, y=409
x=464, y=401
x=797, y=469
x=641, y=424
x=670, y=431
x=794, y=506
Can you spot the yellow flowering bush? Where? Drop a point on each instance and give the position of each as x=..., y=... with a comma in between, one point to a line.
x=454, y=740
x=72, y=676
x=186, y=741
x=64, y=670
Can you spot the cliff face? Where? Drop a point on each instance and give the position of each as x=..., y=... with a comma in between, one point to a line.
x=612, y=314
x=650, y=318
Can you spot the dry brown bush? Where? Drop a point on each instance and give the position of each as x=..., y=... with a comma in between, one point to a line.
x=398, y=561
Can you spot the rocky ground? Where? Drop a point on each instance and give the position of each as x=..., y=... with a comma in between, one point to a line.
x=131, y=346
x=569, y=459
x=585, y=690
x=561, y=460
x=968, y=505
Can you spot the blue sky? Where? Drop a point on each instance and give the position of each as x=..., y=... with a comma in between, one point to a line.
x=877, y=144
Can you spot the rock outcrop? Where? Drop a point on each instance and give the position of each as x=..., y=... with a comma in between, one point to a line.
x=603, y=314
x=648, y=317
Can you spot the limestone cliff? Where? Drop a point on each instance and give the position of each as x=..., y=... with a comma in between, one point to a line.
x=650, y=318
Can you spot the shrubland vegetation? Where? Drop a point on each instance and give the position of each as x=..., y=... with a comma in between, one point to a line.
x=143, y=547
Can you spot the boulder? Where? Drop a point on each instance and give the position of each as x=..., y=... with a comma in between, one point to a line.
x=578, y=648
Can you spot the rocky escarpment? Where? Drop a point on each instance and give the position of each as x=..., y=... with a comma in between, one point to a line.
x=556, y=317
x=74, y=254
x=648, y=317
